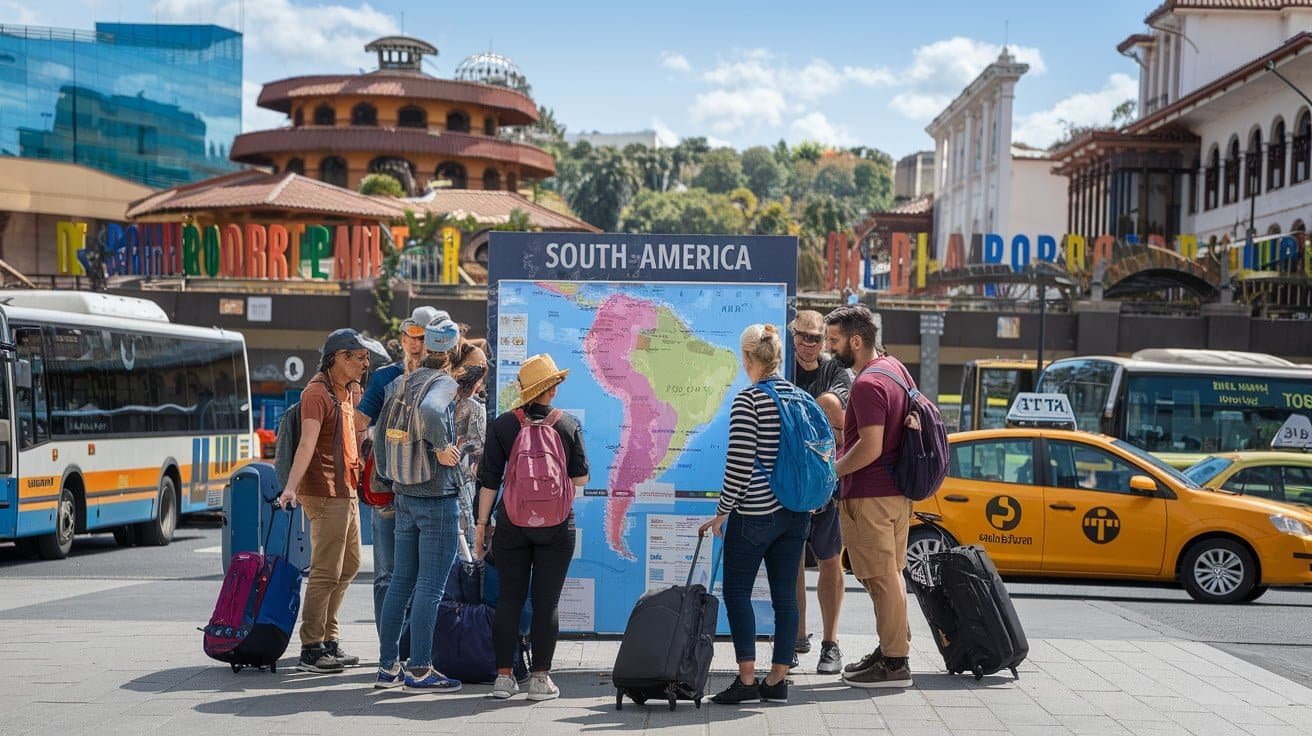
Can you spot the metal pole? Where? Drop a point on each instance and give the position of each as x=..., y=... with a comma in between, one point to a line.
x=1043, y=313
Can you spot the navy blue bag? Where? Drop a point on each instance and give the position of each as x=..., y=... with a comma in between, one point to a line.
x=922, y=457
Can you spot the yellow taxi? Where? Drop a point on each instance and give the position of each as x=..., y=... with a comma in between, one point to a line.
x=1273, y=475
x=1068, y=504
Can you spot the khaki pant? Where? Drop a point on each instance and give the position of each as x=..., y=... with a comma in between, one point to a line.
x=875, y=533
x=334, y=561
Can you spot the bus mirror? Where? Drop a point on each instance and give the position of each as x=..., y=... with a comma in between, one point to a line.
x=23, y=374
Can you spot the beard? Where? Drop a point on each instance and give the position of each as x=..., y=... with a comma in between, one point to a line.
x=845, y=356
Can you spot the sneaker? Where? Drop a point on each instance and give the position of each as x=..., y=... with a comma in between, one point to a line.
x=865, y=663
x=889, y=672
x=796, y=663
x=432, y=682
x=739, y=693
x=388, y=679
x=505, y=687
x=334, y=650
x=540, y=687
x=803, y=645
x=315, y=658
x=776, y=693
x=831, y=659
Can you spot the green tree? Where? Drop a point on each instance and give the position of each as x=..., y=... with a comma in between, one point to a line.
x=655, y=165
x=746, y=202
x=765, y=175
x=686, y=155
x=808, y=151
x=382, y=185
x=607, y=181
x=721, y=172
x=773, y=218
x=874, y=185
x=691, y=211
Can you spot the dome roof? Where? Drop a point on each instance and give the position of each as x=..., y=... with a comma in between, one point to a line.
x=495, y=69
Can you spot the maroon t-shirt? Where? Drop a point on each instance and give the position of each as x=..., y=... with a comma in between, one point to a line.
x=876, y=400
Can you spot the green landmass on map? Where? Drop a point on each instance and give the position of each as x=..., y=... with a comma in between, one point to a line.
x=688, y=373
x=508, y=397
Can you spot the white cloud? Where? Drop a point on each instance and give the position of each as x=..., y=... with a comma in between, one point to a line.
x=1045, y=127
x=816, y=127
x=731, y=110
x=254, y=117
x=675, y=62
x=17, y=13
x=941, y=70
x=665, y=135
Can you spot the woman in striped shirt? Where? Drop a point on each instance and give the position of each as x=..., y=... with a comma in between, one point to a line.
x=756, y=527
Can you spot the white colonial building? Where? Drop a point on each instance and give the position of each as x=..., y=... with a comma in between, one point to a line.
x=984, y=183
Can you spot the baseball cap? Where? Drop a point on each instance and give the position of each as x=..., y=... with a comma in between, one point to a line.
x=441, y=335
x=414, y=325
x=343, y=339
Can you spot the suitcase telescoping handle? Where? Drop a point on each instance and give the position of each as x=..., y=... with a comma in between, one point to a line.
x=715, y=563
x=287, y=543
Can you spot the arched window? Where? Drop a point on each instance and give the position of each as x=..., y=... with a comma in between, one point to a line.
x=1275, y=156
x=296, y=166
x=457, y=121
x=299, y=118
x=398, y=168
x=1253, y=164
x=364, y=114
x=512, y=182
x=1302, y=148
x=1274, y=229
x=452, y=175
x=411, y=117
x=489, y=125
x=1212, y=179
x=491, y=179
x=332, y=170
x=325, y=115
x=1230, y=189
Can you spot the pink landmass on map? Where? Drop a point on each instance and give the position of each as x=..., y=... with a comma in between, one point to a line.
x=616, y=332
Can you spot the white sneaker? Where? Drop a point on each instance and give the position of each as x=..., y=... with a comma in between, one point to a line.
x=505, y=687
x=540, y=687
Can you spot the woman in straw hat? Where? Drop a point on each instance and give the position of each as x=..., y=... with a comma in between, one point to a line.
x=521, y=553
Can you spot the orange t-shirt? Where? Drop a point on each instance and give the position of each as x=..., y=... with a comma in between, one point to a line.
x=323, y=477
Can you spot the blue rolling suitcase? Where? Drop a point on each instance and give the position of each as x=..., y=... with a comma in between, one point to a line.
x=248, y=517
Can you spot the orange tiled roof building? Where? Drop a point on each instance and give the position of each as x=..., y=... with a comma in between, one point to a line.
x=425, y=131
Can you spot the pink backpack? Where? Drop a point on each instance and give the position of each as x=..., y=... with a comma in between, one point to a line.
x=537, y=490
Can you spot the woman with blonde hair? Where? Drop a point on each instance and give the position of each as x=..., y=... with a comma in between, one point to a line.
x=756, y=528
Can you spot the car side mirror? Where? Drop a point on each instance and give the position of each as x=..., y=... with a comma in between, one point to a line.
x=1142, y=485
x=23, y=374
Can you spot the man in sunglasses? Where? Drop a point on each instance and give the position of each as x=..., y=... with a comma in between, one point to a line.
x=830, y=383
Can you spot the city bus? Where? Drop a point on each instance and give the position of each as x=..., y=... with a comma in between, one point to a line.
x=112, y=419
x=1182, y=405
x=988, y=387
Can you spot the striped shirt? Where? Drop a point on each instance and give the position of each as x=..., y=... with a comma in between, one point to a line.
x=753, y=435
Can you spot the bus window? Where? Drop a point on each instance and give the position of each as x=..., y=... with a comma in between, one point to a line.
x=997, y=389
x=1087, y=383
x=30, y=402
x=968, y=390
x=1205, y=413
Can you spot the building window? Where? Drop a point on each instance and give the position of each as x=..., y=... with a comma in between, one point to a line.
x=325, y=115
x=364, y=114
x=332, y=170
x=512, y=183
x=299, y=118
x=1275, y=156
x=1231, y=190
x=296, y=166
x=1253, y=165
x=491, y=179
x=452, y=175
x=1302, y=148
x=1211, y=180
x=398, y=168
x=489, y=125
x=412, y=117
x=457, y=122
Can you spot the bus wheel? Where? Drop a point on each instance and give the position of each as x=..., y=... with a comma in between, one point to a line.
x=159, y=531
x=126, y=536
x=57, y=545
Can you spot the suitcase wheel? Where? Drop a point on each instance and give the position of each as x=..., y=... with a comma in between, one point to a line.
x=619, y=700
x=640, y=699
x=674, y=702
x=1014, y=674
x=697, y=701
x=273, y=667
x=235, y=668
x=979, y=674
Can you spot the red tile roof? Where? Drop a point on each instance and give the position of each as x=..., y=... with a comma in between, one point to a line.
x=1173, y=5
x=918, y=206
x=493, y=208
x=259, y=190
x=515, y=107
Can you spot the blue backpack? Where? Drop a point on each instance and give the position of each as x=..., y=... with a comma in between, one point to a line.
x=803, y=478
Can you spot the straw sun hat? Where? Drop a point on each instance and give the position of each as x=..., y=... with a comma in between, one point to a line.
x=536, y=375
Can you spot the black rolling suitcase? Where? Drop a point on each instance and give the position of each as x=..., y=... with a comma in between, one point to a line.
x=969, y=612
x=668, y=644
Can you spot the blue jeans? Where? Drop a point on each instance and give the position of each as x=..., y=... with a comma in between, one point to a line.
x=384, y=538
x=776, y=539
x=426, y=530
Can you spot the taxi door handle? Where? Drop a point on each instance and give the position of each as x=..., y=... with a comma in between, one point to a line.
x=956, y=498
x=1061, y=507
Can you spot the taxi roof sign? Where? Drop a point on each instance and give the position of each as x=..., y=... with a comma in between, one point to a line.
x=1041, y=410
x=1294, y=434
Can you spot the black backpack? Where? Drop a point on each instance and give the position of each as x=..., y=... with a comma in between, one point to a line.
x=922, y=457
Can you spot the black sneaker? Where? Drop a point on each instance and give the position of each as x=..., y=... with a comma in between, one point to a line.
x=795, y=663
x=865, y=663
x=315, y=658
x=334, y=650
x=889, y=672
x=803, y=645
x=831, y=659
x=776, y=693
x=739, y=693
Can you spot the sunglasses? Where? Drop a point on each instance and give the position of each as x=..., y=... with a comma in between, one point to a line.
x=808, y=338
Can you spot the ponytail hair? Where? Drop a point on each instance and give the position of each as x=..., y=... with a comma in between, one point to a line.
x=764, y=346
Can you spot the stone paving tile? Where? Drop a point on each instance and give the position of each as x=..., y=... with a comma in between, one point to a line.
x=1247, y=716
x=978, y=719
x=1082, y=651
x=1044, y=651
x=1204, y=724
x=1154, y=728
x=907, y=712
x=1171, y=704
x=1123, y=706
x=1093, y=726
x=852, y=721
x=917, y=728
x=1280, y=730
x=1079, y=678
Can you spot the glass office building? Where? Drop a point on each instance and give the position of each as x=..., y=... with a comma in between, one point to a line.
x=156, y=104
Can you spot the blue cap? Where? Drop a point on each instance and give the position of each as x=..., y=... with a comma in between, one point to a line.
x=441, y=335
x=343, y=339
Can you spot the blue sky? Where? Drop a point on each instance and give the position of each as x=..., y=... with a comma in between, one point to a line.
x=862, y=72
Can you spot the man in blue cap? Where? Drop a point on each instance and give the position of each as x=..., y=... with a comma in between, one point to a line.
x=324, y=477
x=415, y=453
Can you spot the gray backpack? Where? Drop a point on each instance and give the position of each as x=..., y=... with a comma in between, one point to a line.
x=402, y=453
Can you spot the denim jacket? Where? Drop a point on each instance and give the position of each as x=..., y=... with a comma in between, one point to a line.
x=437, y=414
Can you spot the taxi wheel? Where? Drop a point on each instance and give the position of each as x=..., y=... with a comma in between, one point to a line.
x=923, y=542
x=1257, y=592
x=1219, y=571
